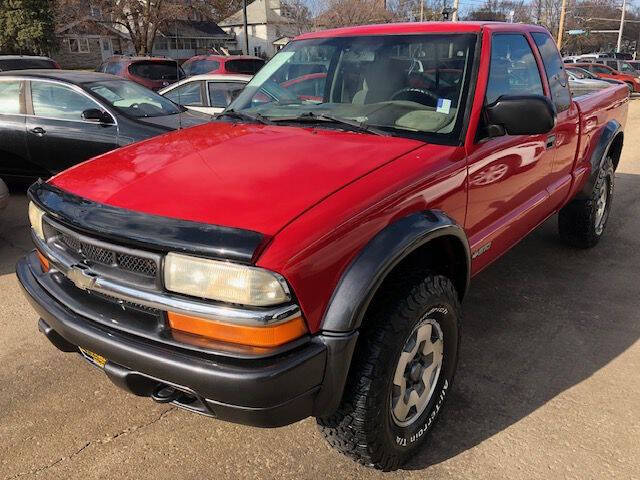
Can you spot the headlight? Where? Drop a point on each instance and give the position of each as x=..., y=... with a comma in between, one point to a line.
x=223, y=281
x=35, y=217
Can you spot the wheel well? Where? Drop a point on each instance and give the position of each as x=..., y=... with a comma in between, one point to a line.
x=615, y=150
x=444, y=255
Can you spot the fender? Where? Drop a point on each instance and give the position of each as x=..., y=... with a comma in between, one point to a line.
x=364, y=275
x=609, y=132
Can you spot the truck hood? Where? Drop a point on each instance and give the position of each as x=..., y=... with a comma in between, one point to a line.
x=247, y=176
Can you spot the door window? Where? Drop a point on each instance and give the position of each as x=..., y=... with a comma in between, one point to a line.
x=556, y=75
x=187, y=94
x=57, y=101
x=221, y=94
x=600, y=69
x=513, y=69
x=10, y=96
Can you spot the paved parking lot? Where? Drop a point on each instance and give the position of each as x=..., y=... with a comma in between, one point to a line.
x=548, y=385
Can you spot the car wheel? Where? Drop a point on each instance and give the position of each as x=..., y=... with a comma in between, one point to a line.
x=582, y=222
x=400, y=377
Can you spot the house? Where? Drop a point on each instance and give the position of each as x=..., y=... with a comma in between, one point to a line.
x=85, y=43
x=182, y=39
x=267, y=22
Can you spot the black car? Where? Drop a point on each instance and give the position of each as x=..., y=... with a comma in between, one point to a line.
x=51, y=120
x=25, y=62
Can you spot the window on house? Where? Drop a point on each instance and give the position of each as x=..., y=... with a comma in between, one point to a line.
x=162, y=44
x=95, y=12
x=79, y=45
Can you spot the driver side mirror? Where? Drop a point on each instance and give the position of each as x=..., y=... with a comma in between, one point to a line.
x=520, y=115
x=97, y=116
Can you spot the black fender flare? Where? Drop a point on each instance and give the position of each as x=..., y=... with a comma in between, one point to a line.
x=363, y=276
x=359, y=283
x=609, y=133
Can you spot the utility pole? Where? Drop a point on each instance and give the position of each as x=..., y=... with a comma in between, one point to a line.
x=561, y=26
x=422, y=10
x=456, y=4
x=624, y=8
x=246, y=28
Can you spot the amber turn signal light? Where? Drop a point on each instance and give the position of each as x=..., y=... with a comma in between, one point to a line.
x=267, y=336
x=44, y=262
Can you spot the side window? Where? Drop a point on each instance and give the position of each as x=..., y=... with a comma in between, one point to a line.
x=187, y=94
x=513, y=69
x=221, y=94
x=599, y=69
x=556, y=75
x=10, y=97
x=57, y=101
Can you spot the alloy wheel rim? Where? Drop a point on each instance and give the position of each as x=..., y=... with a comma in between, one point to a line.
x=417, y=372
x=601, y=208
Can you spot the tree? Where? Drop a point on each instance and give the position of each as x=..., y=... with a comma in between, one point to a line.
x=500, y=11
x=340, y=13
x=26, y=26
x=299, y=13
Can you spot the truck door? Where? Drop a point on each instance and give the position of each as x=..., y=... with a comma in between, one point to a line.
x=507, y=175
x=565, y=134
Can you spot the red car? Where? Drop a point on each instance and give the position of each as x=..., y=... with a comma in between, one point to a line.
x=233, y=64
x=297, y=258
x=152, y=72
x=604, y=71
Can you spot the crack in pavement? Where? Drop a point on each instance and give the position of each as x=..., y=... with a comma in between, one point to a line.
x=108, y=439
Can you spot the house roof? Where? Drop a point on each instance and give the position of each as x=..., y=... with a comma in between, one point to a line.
x=110, y=28
x=257, y=13
x=190, y=28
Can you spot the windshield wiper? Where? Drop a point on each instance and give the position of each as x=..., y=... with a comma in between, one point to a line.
x=245, y=116
x=310, y=117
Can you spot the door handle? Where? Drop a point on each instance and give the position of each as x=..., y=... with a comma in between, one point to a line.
x=551, y=141
x=38, y=131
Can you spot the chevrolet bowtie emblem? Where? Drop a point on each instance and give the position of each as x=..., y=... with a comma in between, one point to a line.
x=82, y=277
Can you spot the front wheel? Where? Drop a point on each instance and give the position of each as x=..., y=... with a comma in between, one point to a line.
x=402, y=373
x=582, y=222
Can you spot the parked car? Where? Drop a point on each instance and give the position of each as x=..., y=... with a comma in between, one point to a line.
x=207, y=93
x=299, y=259
x=583, y=73
x=221, y=64
x=635, y=64
x=581, y=85
x=619, y=64
x=603, y=71
x=26, y=62
x=4, y=195
x=53, y=119
x=152, y=72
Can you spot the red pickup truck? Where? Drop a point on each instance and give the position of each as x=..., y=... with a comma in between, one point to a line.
x=308, y=256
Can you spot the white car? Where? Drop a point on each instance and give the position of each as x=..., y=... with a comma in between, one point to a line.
x=207, y=93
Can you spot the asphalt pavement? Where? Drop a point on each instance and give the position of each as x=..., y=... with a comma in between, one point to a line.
x=548, y=385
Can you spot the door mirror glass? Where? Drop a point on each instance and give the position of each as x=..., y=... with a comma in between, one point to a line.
x=520, y=115
x=96, y=115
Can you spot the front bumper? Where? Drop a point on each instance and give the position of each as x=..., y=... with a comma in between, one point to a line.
x=264, y=392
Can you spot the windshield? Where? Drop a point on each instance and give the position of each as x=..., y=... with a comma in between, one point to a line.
x=133, y=99
x=197, y=67
x=409, y=85
x=26, y=64
x=626, y=67
x=155, y=70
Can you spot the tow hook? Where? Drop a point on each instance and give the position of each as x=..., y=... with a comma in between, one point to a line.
x=165, y=394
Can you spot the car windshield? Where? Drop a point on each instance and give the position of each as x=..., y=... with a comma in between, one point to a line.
x=197, y=67
x=26, y=64
x=245, y=66
x=407, y=85
x=626, y=67
x=157, y=70
x=133, y=99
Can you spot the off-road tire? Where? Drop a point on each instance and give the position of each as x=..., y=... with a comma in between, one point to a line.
x=577, y=221
x=363, y=427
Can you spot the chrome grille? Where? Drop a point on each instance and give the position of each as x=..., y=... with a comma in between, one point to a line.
x=127, y=304
x=132, y=263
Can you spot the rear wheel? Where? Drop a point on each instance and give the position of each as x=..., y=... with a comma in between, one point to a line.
x=582, y=222
x=400, y=377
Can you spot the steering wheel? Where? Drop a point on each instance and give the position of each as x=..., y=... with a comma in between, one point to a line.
x=415, y=92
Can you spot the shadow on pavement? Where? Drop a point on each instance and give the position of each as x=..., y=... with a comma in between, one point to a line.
x=540, y=320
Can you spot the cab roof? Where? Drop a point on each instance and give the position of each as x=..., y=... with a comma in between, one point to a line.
x=417, y=27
